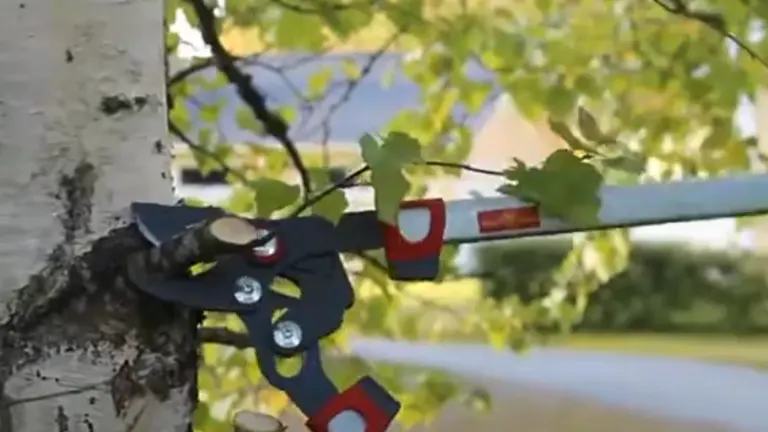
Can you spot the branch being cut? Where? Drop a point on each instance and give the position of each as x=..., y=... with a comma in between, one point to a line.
x=202, y=242
x=274, y=125
x=247, y=421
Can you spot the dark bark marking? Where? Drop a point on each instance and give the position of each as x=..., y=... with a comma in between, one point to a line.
x=114, y=104
x=68, y=56
x=76, y=196
x=62, y=420
x=88, y=423
x=124, y=388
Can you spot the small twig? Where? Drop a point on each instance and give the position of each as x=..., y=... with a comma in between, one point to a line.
x=201, y=242
x=224, y=336
x=175, y=130
x=205, y=64
x=324, y=6
x=7, y=402
x=355, y=83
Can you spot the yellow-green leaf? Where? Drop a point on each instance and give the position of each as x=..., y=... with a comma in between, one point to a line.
x=564, y=186
x=273, y=195
x=563, y=131
x=386, y=159
x=331, y=206
x=590, y=129
x=246, y=120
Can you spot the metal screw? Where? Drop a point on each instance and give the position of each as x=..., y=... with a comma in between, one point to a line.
x=248, y=290
x=267, y=249
x=287, y=334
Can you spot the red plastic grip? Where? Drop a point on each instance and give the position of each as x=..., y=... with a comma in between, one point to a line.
x=357, y=399
x=398, y=248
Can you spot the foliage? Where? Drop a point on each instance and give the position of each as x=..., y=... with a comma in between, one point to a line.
x=639, y=92
x=665, y=287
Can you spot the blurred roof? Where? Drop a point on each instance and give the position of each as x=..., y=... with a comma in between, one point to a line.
x=383, y=93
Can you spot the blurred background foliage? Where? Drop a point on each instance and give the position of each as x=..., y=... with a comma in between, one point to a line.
x=665, y=287
x=649, y=89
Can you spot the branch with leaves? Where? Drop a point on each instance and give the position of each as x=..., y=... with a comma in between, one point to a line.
x=226, y=63
x=713, y=20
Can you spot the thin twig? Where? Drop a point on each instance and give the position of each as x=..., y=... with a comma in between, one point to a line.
x=206, y=152
x=224, y=336
x=324, y=6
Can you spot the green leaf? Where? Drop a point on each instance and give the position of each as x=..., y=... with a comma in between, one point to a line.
x=273, y=195
x=590, y=129
x=318, y=82
x=386, y=160
x=564, y=187
x=479, y=400
x=351, y=69
x=242, y=200
x=345, y=21
x=333, y=205
x=246, y=120
x=210, y=113
x=628, y=163
x=179, y=116
x=563, y=131
x=560, y=101
x=718, y=137
x=296, y=30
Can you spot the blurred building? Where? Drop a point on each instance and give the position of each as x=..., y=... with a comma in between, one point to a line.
x=330, y=128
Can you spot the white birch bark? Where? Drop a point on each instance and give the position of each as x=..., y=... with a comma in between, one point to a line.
x=82, y=134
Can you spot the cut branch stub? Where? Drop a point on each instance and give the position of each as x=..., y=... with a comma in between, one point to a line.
x=201, y=242
x=247, y=421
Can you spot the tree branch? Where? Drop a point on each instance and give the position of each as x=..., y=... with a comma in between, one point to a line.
x=324, y=6
x=274, y=125
x=224, y=336
x=199, y=243
x=712, y=20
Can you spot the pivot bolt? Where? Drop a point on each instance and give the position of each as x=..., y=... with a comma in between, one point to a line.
x=287, y=334
x=268, y=249
x=248, y=290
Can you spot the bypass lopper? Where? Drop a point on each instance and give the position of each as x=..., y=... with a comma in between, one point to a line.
x=306, y=250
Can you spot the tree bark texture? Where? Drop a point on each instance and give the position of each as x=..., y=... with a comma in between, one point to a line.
x=82, y=135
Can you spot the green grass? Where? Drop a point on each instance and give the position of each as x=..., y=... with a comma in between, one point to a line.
x=749, y=351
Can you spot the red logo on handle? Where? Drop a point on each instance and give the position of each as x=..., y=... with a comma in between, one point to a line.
x=508, y=219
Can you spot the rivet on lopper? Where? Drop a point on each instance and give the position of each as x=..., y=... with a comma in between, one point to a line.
x=287, y=334
x=248, y=290
x=269, y=248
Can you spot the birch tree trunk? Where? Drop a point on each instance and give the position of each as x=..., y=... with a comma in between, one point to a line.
x=82, y=131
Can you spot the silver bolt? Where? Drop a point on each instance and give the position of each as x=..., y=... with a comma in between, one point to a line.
x=248, y=290
x=287, y=334
x=267, y=249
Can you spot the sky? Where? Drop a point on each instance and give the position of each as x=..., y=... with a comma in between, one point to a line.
x=719, y=233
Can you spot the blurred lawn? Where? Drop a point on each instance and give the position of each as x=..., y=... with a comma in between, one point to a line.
x=519, y=408
x=742, y=350
x=747, y=351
